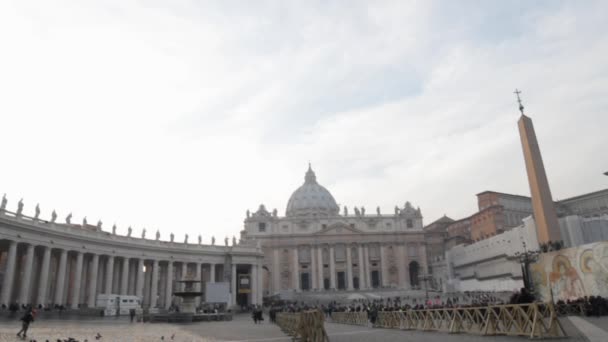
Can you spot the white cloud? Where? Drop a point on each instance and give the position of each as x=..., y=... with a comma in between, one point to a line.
x=181, y=116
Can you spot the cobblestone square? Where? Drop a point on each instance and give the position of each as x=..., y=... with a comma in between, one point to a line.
x=243, y=329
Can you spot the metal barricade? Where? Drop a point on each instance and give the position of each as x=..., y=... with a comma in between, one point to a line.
x=354, y=318
x=306, y=326
x=536, y=320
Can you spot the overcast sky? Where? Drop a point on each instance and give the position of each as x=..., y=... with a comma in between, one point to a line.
x=181, y=115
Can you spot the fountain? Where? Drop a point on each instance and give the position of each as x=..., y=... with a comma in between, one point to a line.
x=187, y=309
x=188, y=295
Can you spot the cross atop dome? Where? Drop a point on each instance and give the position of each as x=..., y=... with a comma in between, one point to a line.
x=310, y=177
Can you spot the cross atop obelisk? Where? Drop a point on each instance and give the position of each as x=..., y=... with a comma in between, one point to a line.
x=521, y=106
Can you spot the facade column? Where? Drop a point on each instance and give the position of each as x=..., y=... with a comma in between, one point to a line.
x=368, y=280
x=9, y=274
x=349, y=267
x=276, y=272
x=59, y=289
x=233, y=284
x=27, y=275
x=296, y=270
x=361, y=268
x=402, y=268
x=313, y=268
x=320, y=269
x=154, y=290
x=139, y=286
x=77, y=281
x=109, y=274
x=44, y=276
x=93, y=281
x=384, y=266
x=254, y=284
x=183, y=274
x=169, y=287
x=212, y=273
x=332, y=268
x=260, y=284
x=124, y=279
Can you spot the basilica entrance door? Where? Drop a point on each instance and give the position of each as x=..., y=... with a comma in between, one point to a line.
x=341, y=281
x=326, y=283
x=375, y=279
x=356, y=282
x=305, y=281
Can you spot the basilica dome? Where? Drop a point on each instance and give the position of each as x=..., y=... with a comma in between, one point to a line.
x=311, y=199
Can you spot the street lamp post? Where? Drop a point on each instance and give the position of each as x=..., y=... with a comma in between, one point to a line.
x=525, y=259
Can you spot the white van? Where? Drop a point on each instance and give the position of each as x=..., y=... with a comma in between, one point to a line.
x=114, y=304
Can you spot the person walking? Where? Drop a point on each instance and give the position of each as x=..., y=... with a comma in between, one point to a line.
x=26, y=320
x=132, y=314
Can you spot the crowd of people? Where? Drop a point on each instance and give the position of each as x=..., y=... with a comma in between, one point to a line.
x=591, y=305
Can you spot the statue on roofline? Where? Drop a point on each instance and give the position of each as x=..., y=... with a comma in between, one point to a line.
x=3, y=203
x=68, y=219
x=37, y=214
x=53, y=216
x=157, y=235
x=200, y=239
x=114, y=229
x=213, y=241
x=172, y=237
x=20, y=207
x=143, y=233
x=129, y=231
x=186, y=239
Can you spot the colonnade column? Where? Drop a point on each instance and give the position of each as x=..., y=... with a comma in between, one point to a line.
x=349, y=268
x=320, y=269
x=139, y=286
x=9, y=273
x=154, y=287
x=77, y=281
x=332, y=268
x=44, y=276
x=233, y=284
x=169, y=286
x=109, y=275
x=124, y=279
x=93, y=281
x=27, y=275
x=63, y=260
x=361, y=268
x=197, y=275
x=254, y=284
x=296, y=269
x=212, y=273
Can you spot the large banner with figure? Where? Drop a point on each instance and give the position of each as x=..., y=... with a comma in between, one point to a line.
x=572, y=273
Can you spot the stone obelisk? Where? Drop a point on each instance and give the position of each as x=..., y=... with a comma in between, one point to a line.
x=545, y=218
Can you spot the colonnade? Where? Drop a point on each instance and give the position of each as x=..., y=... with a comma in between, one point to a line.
x=73, y=278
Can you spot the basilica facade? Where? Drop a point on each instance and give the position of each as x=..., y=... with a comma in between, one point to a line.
x=318, y=247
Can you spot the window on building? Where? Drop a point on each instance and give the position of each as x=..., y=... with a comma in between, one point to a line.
x=352, y=225
x=409, y=223
x=262, y=227
x=323, y=226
